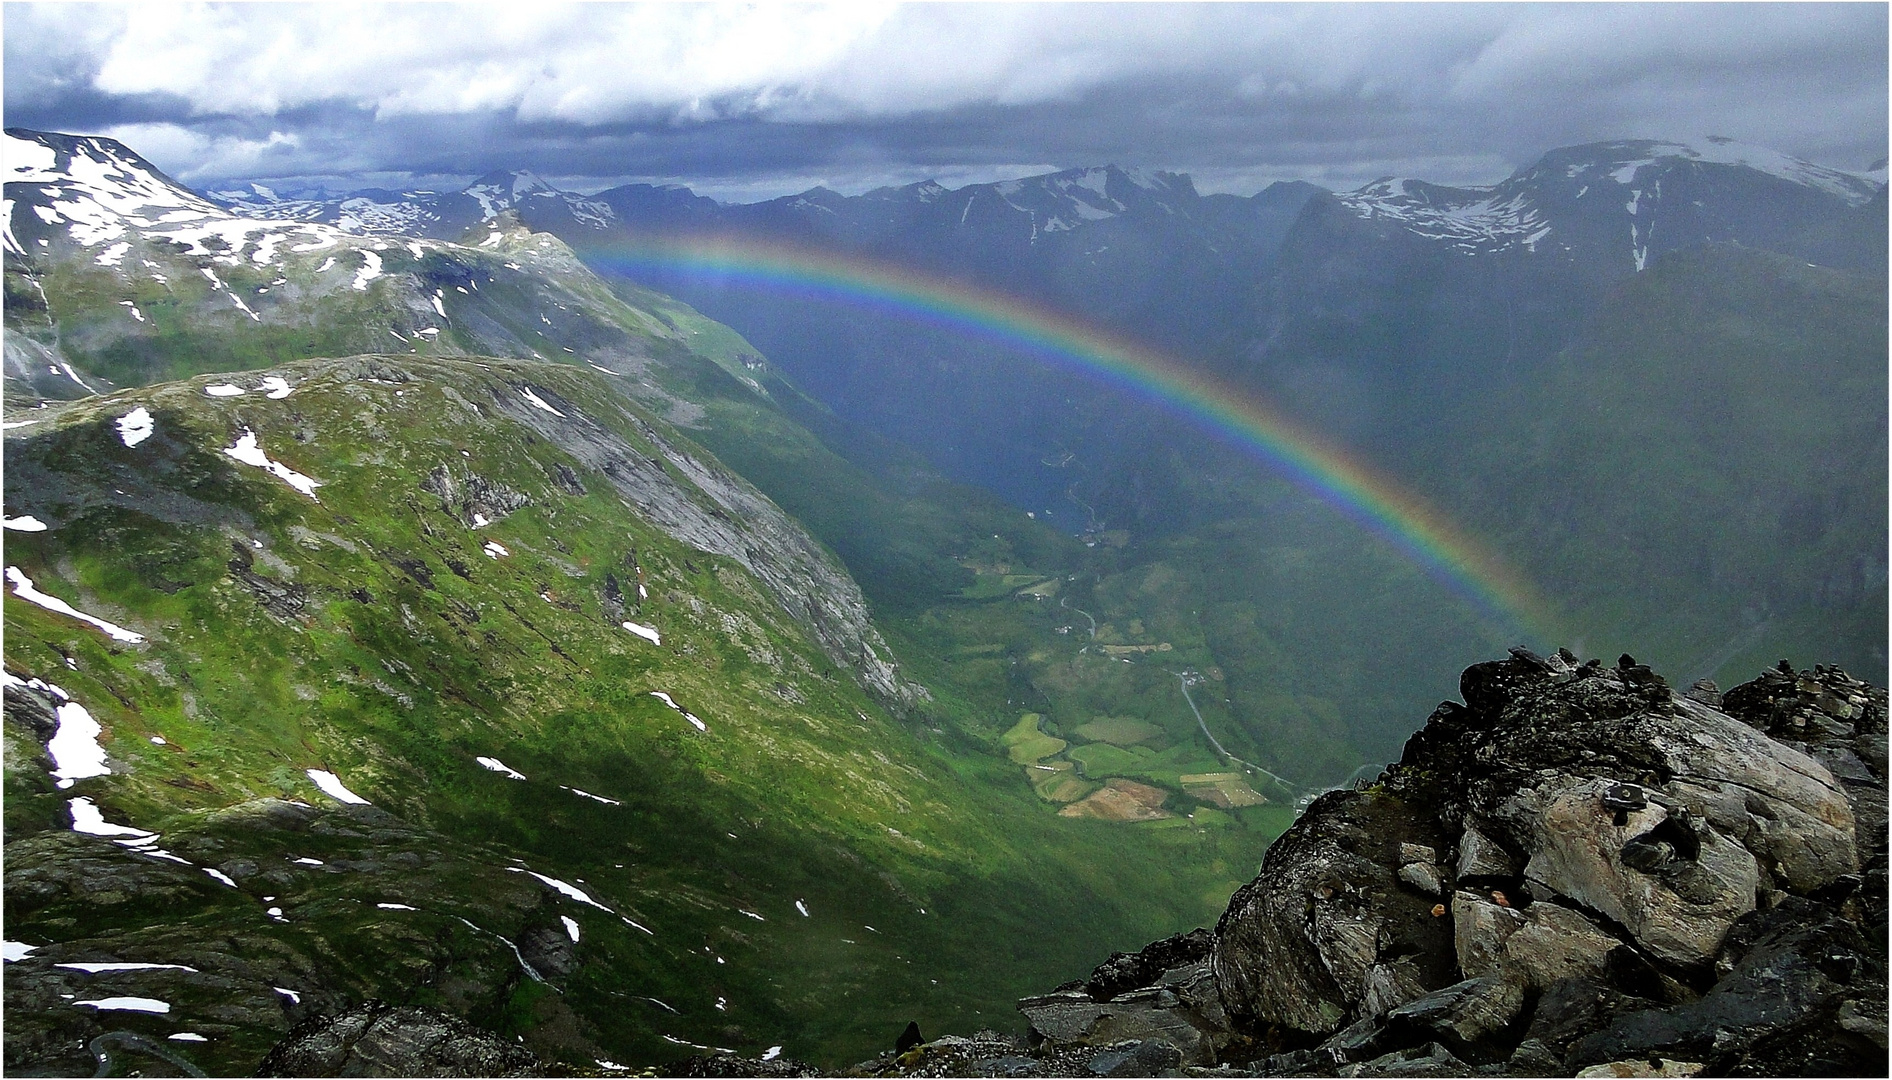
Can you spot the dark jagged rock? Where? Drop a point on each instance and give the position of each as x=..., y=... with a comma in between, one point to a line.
x=377, y=1039
x=1634, y=882
x=1776, y=1012
x=32, y=708
x=1130, y=971
x=909, y=1038
x=1163, y=993
x=1329, y=931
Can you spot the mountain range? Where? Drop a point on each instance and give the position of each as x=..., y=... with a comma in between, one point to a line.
x=439, y=670
x=440, y=588
x=1402, y=319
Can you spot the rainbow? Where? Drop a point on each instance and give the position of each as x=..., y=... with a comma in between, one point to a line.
x=1418, y=532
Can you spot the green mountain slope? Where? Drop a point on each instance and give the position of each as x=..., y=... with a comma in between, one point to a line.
x=365, y=628
x=907, y=535
x=370, y=629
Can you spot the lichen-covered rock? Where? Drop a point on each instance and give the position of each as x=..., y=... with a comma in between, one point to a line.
x=1839, y=722
x=1479, y=856
x=1677, y=889
x=734, y=1065
x=1070, y=1018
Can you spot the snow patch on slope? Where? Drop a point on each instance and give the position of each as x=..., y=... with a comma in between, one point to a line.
x=249, y=453
x=23, y=588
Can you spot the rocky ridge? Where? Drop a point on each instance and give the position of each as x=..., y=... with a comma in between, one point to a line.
x=1576, y=871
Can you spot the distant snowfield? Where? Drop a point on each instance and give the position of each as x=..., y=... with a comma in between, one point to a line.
x=125, y=1004
x=687, y=715
x=499, y=766
x=537, y=401
x=566, y=888
x=136, y=426
x=249, y=453
x=27, y=523
x=23, y=588
x=94, y=969
x=333, y=787
x=370, y=269
x=87, y=818
x=74, y=747
x=648, y=633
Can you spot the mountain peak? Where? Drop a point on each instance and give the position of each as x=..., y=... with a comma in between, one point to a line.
x=49, y=156
x=1623, y=159
x=512, y=182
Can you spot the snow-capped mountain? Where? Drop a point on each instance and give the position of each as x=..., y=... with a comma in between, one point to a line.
x=1027, y=210
x=1471, y=220
x=440, y=215
x=114, y=271
x=98, y=194
x=1032, y=207
x=1623, y=201
x=1631, y=198
x=1060, y=201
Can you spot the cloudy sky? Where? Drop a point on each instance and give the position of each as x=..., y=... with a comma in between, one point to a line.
x=755, y=101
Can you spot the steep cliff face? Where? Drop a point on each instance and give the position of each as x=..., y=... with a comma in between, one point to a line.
x=1576, y=870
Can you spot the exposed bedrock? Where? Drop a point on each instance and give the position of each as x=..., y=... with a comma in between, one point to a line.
x=1575, y=869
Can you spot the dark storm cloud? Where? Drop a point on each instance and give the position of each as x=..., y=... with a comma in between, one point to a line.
x=767, y=100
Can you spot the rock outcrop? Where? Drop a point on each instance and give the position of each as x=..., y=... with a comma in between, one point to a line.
x=377, y=1039
x=1163, y=992
x=1576, y=871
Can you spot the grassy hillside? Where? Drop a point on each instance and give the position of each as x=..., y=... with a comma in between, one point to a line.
x=365, y=628
x=369, y=630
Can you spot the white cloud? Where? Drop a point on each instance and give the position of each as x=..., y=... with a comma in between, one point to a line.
x=1245, y=91
x=582, y=63
x=187, y=154
x=603, y=63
